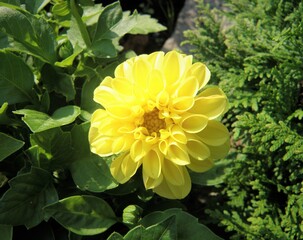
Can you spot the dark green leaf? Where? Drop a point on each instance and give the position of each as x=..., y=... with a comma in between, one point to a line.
x=110, y=17
x=87, y=94
x=78, y=34
x=4, y=43
x=3, y=179
x=35, y=6
x=57, y=81
x=8, y=145
x=6, y=232
x=34, y=34
x=89, y=171
x=55, y=146
x=4, y=119
x=83, y=215
x=165, y=230
x=115, y=236
x=104, y=48
x=187, y=225
x=16, y=79
x=39, y=121
x=28, y=194
x=12, y=2
x=111, y=25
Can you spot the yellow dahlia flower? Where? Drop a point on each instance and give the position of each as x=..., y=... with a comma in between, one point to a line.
x=155, y=116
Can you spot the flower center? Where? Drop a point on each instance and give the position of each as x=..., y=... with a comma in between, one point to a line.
x=152, y=122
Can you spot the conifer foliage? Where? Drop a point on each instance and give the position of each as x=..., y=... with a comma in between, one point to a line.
x=254, y=50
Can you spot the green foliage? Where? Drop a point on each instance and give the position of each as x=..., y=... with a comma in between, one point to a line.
x=53, y=54
x=254, y=51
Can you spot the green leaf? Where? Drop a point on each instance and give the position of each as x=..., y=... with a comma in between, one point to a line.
x=87, y=94
x=16, y=79
x=83, y=215
x=35, y=6
x=78, y=33
x=8, y=145
x=6, y=232
x=39, y=121
x=60, y=82
x=115, y=236
x=109, y=18
x=112, y=24
x=187, y=225
x=27, y=195
x=214, y=176
x=104, y=48
x=165, y=230
x=4, y=42
x=55, y=146
x=146, y=24
x=89, y=171
x=12, y=2
x=4, y=119
x=34, y=35
x=3, y=179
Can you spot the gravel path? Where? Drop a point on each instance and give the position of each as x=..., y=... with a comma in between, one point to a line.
x=185, y=22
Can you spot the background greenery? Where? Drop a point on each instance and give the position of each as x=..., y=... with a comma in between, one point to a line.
x=254, y=50
x=53, y=54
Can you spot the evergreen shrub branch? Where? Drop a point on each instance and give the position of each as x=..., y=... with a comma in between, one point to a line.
x=254, y=51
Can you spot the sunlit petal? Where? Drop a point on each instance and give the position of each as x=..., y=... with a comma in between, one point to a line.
x=152, y=163
x=200, y=166
x=194, y=123
x=215, y=134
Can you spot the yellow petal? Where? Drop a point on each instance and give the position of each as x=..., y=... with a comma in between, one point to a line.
x=215, y=134
x=212, y=91
x=102, y=145
x=200, y=166
x=122, y=143
x=129, y=167
x=138, y=150
x=218, y=152
x=152, y=163
x=156, y=59
x=212, y=103
x=201, y=72
x=151, y=183
x=116, y=170
x=163, y=146
x=162, y=99
x=105, y=96
x=141, y=70
x=173, y=173
x=193, y=123
x=182, y=104
x=172, y=67
x=177, y=154
x=156, y=83
x=188, y=87
x=122, y=86
x=121, y=112
x=197, y=149
x=178, y=134
x=168, y=190
x=124, y=70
